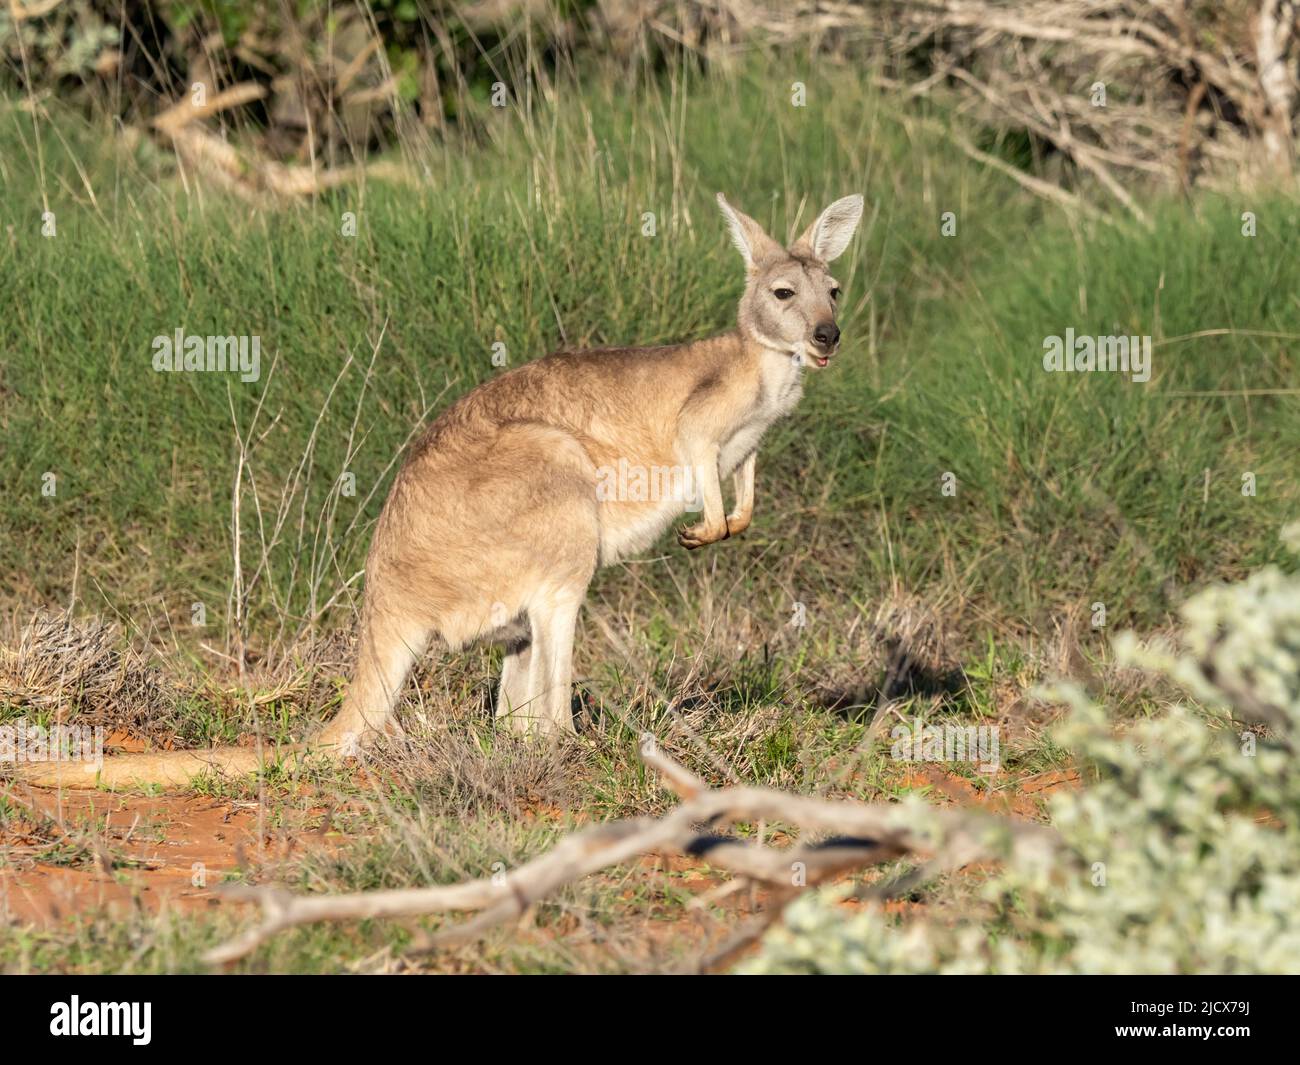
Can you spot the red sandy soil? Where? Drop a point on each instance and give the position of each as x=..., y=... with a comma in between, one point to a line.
x=155, y=852
x=170, y=852
x=1024, y=797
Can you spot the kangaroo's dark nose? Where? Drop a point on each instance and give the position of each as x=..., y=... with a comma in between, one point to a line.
x=827, y=335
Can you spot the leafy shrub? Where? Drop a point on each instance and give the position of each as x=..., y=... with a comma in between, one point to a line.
x=69, y=43
x=1181, y=856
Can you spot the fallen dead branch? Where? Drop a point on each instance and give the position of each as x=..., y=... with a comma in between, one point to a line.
x=1039, y=187
x=240, y=171
x=263, y=180
x=187, y=111
x=852, y=836
x=35, y=10
x=250, y=178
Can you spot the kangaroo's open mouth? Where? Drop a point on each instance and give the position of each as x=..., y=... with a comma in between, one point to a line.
x=822, y=360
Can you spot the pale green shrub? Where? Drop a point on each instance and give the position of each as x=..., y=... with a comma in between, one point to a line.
x=1181, y=854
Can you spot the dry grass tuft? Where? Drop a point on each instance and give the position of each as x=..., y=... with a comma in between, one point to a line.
x=83, y=669
x=458, y=770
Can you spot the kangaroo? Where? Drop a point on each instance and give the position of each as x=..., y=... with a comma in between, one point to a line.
x=506, y=506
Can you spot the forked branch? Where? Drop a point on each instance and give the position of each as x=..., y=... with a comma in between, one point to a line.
x=853, y=836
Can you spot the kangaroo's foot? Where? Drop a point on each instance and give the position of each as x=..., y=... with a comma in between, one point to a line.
x=693, y=536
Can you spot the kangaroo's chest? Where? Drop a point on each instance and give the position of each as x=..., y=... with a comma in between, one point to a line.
x=779, y=389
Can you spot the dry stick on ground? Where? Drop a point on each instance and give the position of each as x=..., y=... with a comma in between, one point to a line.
x=187, y=111
x=35, y=10
x=253, y=179
x=1059, y=135
x=861, y=835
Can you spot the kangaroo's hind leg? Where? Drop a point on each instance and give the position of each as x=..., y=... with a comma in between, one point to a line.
x=555, y=526
x=547, y=691
x=389, y=646
x=513, y=692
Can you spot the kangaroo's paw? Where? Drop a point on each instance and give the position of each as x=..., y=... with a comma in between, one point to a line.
x=693, y=536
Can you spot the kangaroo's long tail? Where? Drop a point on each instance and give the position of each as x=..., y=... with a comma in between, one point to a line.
x=382, y=664
x=167, y=768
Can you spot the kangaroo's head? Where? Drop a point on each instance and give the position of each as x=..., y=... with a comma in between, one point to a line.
x=790, y=295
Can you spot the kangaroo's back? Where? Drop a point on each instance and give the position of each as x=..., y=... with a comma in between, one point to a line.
x=610, y=398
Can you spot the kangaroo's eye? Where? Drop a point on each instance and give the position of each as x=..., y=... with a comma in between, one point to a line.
x=835, y=293
x=783, y=293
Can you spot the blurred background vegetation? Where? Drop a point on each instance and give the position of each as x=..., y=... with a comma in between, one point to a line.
x=1187, y=92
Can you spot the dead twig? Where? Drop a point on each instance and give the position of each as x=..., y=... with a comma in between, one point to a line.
x=187, y=111
x=36, y=10
x=859, y=834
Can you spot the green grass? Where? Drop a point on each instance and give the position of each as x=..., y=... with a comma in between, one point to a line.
x=1070, y=488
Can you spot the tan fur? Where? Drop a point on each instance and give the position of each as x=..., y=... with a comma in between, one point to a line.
x=496, y=522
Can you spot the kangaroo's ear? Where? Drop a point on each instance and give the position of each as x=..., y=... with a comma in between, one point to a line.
x=747, y=235
x=827, y=238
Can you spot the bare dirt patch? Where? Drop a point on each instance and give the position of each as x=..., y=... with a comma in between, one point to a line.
x=1023, y=797
x=68, y=855
x=76, y=852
